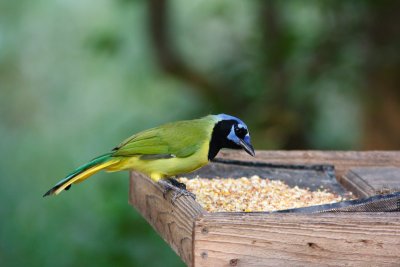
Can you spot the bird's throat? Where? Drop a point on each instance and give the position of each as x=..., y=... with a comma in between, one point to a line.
x=218, y=138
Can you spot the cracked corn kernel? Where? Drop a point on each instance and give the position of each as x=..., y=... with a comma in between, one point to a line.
x=253, y=194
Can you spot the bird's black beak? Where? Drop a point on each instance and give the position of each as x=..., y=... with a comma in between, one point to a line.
x=247, y=147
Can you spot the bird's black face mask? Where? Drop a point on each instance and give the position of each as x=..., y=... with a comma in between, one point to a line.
x=230, y=134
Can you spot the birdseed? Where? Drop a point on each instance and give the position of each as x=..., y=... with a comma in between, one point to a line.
x=253, y=194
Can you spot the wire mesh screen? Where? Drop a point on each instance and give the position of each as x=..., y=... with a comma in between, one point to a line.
x=378, y=203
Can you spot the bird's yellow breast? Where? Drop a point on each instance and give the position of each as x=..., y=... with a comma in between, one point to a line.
x=162, y=168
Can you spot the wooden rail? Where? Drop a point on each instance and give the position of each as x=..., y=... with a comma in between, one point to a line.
x=342, y=160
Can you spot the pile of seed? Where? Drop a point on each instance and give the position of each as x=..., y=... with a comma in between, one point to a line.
x=253, y=194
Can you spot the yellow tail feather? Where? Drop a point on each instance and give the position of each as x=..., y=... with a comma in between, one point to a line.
x=84, y=175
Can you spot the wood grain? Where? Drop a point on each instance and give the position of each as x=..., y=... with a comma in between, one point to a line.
x=173, y=222
x=259, y=239
x=369, y=181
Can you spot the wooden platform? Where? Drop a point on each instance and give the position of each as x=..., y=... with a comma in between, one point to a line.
x=265, y=239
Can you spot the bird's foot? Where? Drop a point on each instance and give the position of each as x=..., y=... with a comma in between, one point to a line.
x=182, y=192
x=178, y=188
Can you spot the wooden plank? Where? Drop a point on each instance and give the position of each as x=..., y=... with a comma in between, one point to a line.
x=259, y=239
x=342, y=160
x=369, y=181
x=173, y=222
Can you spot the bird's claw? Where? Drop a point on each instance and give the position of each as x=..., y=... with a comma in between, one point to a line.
x=178, y=188
x=182, y=192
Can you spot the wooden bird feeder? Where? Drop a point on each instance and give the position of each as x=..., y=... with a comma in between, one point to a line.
x=202, y=238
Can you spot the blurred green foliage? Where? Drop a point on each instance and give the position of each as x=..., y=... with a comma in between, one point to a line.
x=77, y=77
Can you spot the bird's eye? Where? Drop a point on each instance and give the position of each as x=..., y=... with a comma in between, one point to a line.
x=240, y=132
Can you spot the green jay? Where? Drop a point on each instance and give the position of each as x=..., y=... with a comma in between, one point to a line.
x=168, y=150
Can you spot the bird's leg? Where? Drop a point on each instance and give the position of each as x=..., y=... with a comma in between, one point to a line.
x=166, y=187
x=178, y=188
x=176, y=183
x=182, y=191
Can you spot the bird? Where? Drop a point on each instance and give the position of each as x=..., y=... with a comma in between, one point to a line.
x=168, y=150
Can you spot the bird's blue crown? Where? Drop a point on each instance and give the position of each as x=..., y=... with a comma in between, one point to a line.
x=223, y=116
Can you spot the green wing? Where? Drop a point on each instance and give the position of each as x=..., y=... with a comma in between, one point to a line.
x=179, y=139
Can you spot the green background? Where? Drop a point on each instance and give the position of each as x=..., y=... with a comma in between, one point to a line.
x=77, y=77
